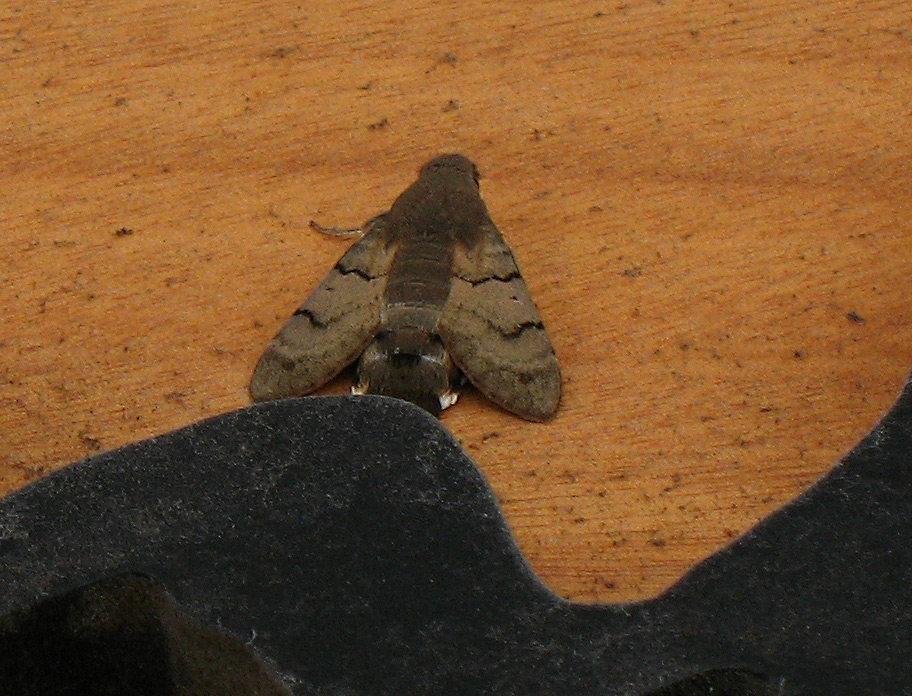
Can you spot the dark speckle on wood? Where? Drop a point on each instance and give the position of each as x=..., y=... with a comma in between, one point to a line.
x=446, y=59
x=91, y=443
x=282, y=52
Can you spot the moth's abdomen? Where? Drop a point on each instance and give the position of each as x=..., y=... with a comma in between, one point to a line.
x=421, y=272
x=407, y=358
x=409, y=362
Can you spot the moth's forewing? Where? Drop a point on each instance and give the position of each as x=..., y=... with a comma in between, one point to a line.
x=493, y=332
x=333, y=326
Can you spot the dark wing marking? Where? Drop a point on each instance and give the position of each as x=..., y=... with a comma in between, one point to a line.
x=333, y=326
x=492, y=330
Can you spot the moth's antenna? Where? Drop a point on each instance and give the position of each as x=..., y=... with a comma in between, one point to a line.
x=337, y=231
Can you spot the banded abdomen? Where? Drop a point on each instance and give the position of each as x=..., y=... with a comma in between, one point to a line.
x=407, y=358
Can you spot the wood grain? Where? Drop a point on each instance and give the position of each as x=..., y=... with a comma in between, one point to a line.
x=710, y=202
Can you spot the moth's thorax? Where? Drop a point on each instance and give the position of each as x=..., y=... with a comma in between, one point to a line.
x=453, y=163
x=443, y=204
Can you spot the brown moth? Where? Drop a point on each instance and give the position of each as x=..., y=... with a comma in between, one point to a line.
x=431, y=290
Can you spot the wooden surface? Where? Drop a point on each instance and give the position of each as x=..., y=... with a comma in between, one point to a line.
x=710, y=202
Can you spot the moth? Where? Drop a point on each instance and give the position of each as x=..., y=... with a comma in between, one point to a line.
x=430, y=293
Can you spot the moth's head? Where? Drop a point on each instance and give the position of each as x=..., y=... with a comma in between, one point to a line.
x=456, y=164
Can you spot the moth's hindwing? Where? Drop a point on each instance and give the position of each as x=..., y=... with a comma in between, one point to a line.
x=333, y=326
x=493, y=332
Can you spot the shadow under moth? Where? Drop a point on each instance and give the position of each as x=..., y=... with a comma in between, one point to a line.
x=430, y=293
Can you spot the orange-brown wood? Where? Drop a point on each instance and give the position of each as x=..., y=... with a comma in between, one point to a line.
x=710, y=202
